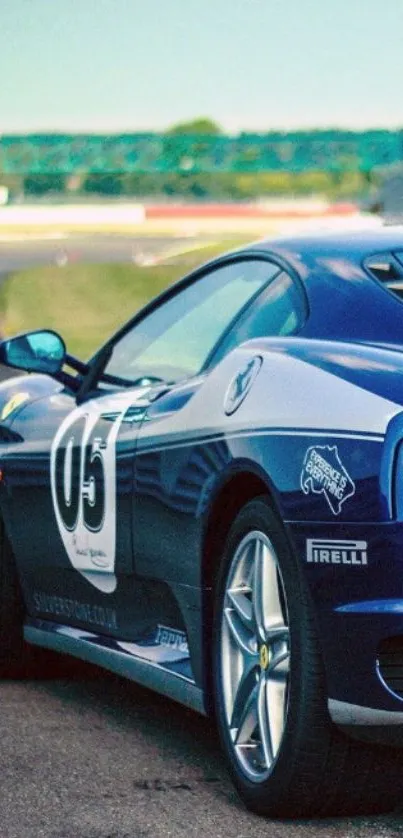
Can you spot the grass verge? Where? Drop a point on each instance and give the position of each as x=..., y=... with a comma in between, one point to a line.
x=86, y=303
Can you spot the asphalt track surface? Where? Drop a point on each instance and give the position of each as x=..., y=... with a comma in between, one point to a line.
x=85, y=754
x=17, y=252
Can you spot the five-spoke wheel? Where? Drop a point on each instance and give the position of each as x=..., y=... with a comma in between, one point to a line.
x=255, y=654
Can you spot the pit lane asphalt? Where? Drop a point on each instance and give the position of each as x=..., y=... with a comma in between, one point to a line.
x=85, y=754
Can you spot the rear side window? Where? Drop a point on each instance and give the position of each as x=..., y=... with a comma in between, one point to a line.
x=279, y=310
x=174, y=340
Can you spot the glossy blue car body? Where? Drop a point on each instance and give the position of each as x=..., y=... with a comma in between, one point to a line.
x=314, y=420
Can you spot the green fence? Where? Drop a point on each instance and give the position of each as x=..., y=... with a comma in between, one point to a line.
x=330, y=151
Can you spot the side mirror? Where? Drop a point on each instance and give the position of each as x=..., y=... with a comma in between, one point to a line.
x=41, y=351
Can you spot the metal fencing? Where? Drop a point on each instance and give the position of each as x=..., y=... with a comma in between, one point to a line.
x=328, y=151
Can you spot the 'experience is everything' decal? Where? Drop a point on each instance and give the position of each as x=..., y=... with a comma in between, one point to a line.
x=323, y=473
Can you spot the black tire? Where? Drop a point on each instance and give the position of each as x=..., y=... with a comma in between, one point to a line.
x=14, y=654
x=317, y=770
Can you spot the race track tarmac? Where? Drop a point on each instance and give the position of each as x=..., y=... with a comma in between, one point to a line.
x=89, y=755
x=17, y=252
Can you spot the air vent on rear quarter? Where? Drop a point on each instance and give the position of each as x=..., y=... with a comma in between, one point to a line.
x=388, y=269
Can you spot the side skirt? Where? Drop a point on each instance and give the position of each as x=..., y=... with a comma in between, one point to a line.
x=105, y=652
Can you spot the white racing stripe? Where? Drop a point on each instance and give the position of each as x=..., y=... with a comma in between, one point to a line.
x=287, y=394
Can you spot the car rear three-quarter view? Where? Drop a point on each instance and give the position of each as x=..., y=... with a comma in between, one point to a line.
x=212, y=506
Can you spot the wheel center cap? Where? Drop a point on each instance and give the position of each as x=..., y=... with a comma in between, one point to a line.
x=264, y=656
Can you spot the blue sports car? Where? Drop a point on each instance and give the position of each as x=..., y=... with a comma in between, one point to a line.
x=213, y=507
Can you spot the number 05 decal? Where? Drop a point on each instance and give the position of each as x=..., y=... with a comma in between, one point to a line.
x=83, y=484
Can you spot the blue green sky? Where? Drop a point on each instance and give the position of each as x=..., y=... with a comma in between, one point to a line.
x=116, y=65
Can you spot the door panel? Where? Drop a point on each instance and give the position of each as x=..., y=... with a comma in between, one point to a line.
x=171, y=474
x=67, y=500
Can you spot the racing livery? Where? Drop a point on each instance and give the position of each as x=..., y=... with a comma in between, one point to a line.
x=213, y=507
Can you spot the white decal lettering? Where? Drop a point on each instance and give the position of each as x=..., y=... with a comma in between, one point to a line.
x=323, y=473
x=337, y=551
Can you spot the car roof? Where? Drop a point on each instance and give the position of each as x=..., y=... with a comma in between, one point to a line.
x=353, y=243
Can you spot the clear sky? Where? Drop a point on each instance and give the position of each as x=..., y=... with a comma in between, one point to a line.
x=127, y=65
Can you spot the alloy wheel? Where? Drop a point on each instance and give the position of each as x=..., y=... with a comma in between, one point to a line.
x=255, y=655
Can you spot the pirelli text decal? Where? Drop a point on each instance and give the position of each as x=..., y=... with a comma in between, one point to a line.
x=336, y=552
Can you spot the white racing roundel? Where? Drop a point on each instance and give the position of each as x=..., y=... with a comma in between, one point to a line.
x=83, y=485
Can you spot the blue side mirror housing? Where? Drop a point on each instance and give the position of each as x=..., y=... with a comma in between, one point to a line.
x=40, y=351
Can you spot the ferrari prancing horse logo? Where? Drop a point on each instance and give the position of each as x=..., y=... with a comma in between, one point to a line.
x=241, y=384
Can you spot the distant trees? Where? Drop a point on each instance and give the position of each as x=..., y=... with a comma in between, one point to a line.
x=108, y=184
x=41, y=184
x=218, y=186
x=201, y=125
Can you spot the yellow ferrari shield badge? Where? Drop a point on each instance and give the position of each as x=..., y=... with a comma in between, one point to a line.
x=16, y=401
x=264, y=656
